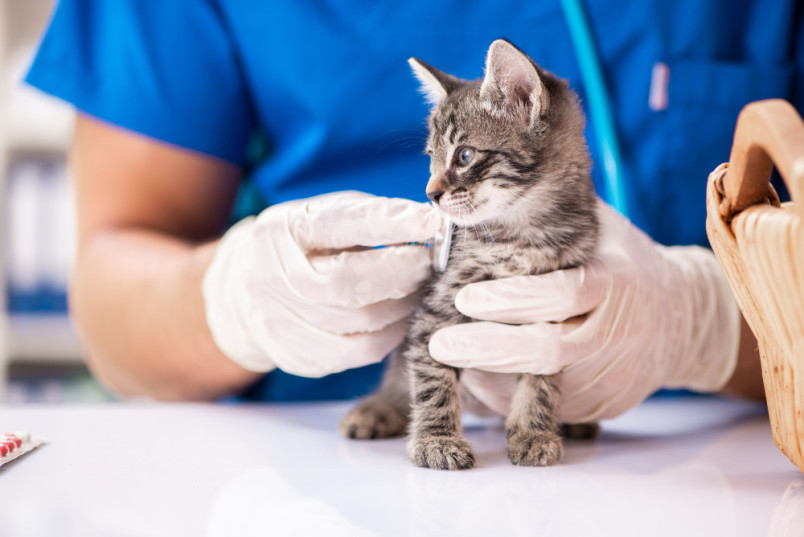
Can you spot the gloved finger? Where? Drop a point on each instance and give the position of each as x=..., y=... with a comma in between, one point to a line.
x=554, y=296
x=355, y=279
x=369, y=318
x=539, y=349
x=344, y=221
x=600, y=399
x=610, y=381
x=308, y=352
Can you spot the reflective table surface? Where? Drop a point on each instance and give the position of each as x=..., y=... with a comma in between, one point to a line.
x=673, y=466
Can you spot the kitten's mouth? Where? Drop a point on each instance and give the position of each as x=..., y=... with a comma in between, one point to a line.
x=460, y=206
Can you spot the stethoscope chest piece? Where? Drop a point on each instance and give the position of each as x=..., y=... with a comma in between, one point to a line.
x=442, y=243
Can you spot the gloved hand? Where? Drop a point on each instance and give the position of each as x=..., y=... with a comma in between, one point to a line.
x=302, y=288
x=639, y=317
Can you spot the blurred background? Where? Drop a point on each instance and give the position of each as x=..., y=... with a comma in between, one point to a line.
x=40, y=356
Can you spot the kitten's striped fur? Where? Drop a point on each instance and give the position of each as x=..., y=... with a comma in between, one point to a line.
x=509, y=164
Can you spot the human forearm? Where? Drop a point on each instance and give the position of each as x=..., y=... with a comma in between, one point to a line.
x=136, y=301
x=137, y=294
x=747, y=378
x=143, y=207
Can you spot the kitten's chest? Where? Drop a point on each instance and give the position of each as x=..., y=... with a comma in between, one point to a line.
x=475, y=261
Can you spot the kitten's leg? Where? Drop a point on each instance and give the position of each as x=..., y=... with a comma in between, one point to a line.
x=532, y=427
x=435, y=429
x=580, y=431
x=385, y=413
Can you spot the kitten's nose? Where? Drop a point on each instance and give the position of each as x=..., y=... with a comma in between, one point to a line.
x=435, y=195
x=436, y=186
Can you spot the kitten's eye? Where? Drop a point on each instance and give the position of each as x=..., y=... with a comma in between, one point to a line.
x=465, y=156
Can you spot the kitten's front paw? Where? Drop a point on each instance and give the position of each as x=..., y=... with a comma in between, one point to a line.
x=373, y=419
x=534, y=448
x=441, y=452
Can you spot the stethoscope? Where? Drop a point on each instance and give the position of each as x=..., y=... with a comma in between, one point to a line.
x=597, y=96
x=600, y=114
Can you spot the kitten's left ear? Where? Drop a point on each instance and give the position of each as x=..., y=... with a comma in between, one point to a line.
x=513, y=80
x=436, y=85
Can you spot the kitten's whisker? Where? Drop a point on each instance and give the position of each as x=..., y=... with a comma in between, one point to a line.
x=487, y=231
x=403, y=143
x=485, y=227
x=464, y=253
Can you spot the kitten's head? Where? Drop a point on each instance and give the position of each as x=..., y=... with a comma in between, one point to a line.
x=506, y=149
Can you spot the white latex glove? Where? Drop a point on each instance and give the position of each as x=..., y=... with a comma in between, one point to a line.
x=302, y=288
x=653, y=317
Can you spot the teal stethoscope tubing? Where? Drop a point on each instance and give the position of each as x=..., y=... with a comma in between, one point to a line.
x=599, y=103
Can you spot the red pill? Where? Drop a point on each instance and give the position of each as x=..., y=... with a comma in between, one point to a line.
x=10, y=445
x=3, y=450
x=13, y=438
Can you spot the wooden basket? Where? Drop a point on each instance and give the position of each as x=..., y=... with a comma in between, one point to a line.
x=760, y=245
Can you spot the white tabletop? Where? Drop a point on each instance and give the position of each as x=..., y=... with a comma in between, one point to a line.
x=680, y=467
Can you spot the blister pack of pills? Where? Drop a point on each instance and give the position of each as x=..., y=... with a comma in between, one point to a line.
x=15, y=445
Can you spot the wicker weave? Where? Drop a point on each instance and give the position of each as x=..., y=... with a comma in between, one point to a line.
x=760, y=244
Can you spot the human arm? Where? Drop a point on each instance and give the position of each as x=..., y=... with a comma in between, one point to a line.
x=148, y=215
x=301, y=287
x=746, y=382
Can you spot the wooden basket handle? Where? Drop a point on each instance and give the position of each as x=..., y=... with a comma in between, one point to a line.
x=767, y=133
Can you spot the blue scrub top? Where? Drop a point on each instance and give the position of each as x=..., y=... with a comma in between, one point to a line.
x=312, y=97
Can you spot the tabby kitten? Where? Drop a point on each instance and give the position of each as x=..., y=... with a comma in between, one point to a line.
x=509, y=165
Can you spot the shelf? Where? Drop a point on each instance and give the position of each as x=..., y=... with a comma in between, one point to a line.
x=43, y=338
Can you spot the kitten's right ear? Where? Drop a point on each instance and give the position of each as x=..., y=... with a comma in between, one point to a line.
x=436, y=85
x=513, y=80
